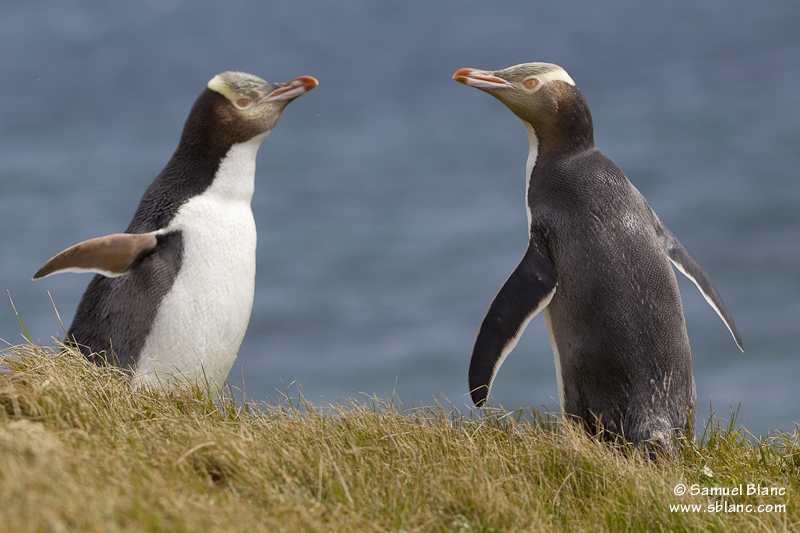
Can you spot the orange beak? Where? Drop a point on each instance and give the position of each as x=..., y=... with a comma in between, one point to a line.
x=482, y=79
x=291, y=89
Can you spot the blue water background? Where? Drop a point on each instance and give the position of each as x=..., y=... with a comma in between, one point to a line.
x=389, y=200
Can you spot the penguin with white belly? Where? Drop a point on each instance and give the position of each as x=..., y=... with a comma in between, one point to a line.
x=173, y=294
x=598, y=268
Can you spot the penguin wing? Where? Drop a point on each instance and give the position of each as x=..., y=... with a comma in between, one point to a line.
x=526, y=292
x=690, y=267
x=111, y=256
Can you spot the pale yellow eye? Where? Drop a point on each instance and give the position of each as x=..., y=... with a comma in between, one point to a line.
x=241, y=103
x=531, y=83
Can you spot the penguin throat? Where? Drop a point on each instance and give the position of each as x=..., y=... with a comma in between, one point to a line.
x=533, y=154
x=235, y=178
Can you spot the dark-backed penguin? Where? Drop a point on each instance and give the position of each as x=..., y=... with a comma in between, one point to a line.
x=598, y=268
x=173, y=294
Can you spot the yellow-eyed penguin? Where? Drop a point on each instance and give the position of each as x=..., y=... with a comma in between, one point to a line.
x=173, y=294
x=598, y=268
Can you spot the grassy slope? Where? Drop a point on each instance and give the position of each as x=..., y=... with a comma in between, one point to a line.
x=80, y=450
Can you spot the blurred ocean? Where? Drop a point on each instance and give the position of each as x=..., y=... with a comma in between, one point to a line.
x=389, y=200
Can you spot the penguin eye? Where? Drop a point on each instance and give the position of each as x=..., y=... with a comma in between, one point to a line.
x=242, y=103
x=530, y=83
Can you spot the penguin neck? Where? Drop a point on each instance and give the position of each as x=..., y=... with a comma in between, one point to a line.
x=565, y=128
x=571, y=132
x=235, y=177
x=533, y=154
x=547, y=147
x=227, y=173
x=564, y=141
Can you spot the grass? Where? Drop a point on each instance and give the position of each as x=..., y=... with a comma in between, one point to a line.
x=80, y=450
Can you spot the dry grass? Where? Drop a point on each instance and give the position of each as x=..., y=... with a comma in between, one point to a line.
x=81, y=451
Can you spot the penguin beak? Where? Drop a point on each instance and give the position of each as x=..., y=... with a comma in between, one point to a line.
x=482, y=79
x=290, y=89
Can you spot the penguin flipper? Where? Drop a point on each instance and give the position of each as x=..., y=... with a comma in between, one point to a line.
x=525, y=293
x=111, y=256
x=690, y=267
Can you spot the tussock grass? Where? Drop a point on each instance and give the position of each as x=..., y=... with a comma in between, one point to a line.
x=80, y=450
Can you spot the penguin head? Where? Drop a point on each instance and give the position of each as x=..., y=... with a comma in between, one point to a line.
x=237, y=107
x=543, y=95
